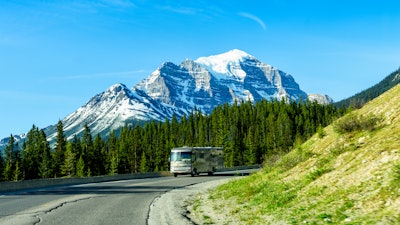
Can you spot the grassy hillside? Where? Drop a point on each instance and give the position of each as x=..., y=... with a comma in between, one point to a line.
x=339, y=176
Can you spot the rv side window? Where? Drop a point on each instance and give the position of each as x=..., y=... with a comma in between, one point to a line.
x=201, y=156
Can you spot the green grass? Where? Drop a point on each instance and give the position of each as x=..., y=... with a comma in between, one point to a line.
x=348, y=176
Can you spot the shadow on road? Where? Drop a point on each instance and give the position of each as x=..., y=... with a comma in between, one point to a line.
x=127, y=187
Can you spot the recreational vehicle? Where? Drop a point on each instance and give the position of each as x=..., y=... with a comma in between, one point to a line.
x=196, y=160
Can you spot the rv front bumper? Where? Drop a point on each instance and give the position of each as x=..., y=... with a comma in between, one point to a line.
x=181, y=170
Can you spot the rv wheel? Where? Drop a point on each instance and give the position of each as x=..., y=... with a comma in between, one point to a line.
x=175, y=174
x=194, y=172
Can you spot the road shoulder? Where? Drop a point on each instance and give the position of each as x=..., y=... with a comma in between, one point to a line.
x=172, y=207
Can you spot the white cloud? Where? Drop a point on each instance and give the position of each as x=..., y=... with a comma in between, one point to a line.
x=254, y=18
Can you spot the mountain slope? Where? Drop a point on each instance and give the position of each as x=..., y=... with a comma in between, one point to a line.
x=359, y=99
x=333, y=178
x=112, y=109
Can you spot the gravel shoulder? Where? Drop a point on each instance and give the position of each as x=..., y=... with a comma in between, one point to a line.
x=176, y=206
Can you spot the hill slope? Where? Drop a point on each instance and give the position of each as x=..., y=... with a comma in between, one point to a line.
x=361, y=98
x=333, y=178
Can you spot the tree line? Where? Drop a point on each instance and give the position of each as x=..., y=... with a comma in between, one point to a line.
x=360, y=99
x=248, y=132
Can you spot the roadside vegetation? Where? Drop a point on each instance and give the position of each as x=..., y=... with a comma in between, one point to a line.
x=347, y=173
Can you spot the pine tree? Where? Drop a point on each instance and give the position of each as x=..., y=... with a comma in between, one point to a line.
x=159, y=147
x=143, y=164
x=112, y=156
x=76, y=148
x=87, y=150
x=201, y=127
x=80, y=168
x=60, y=148
x=174, y=132
x=284, y=129
x=68, y=167
x=30, y=154
x=137, y=148
x=113, y=165
x=123, y=151
x=251, y=148
x=222, y=125
x=17, y=172
x=1, y=166
x=9, y=159
x=99, y=158
x=46, y=160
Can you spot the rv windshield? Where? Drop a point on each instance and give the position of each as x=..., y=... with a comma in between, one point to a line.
x=181, y=156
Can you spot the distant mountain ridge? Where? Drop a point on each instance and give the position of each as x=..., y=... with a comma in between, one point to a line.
x=361, y=98
x=17, y=138
x=172, y=89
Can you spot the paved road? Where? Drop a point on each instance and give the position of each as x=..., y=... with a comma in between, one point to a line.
x=118, y=202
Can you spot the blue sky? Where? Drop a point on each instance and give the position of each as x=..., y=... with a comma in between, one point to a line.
x=56, y=55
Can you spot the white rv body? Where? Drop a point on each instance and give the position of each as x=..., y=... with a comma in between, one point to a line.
x=196, y=160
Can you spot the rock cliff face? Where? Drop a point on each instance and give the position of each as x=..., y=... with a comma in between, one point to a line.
x=322, y=99
x=214, y=80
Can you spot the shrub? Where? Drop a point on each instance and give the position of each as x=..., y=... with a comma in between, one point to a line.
x=321, y=132
x=293, y=158
x=352, y=122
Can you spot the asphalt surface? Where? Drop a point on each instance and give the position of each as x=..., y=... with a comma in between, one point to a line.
x=118, y=202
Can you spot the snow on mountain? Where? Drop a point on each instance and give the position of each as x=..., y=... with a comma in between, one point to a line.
x=226, y=64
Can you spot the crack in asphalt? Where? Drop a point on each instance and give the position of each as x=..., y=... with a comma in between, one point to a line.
x=61, y=204
x=34, y=215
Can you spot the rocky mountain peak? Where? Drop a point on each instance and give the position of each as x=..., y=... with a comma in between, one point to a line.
x=320, y=98
x=226, y=65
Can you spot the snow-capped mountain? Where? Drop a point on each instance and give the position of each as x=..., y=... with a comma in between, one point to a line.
x=209, y=81
x=171, y=89
x=112, y=109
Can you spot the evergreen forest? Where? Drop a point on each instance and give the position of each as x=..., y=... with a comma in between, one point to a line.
x=248, y=132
